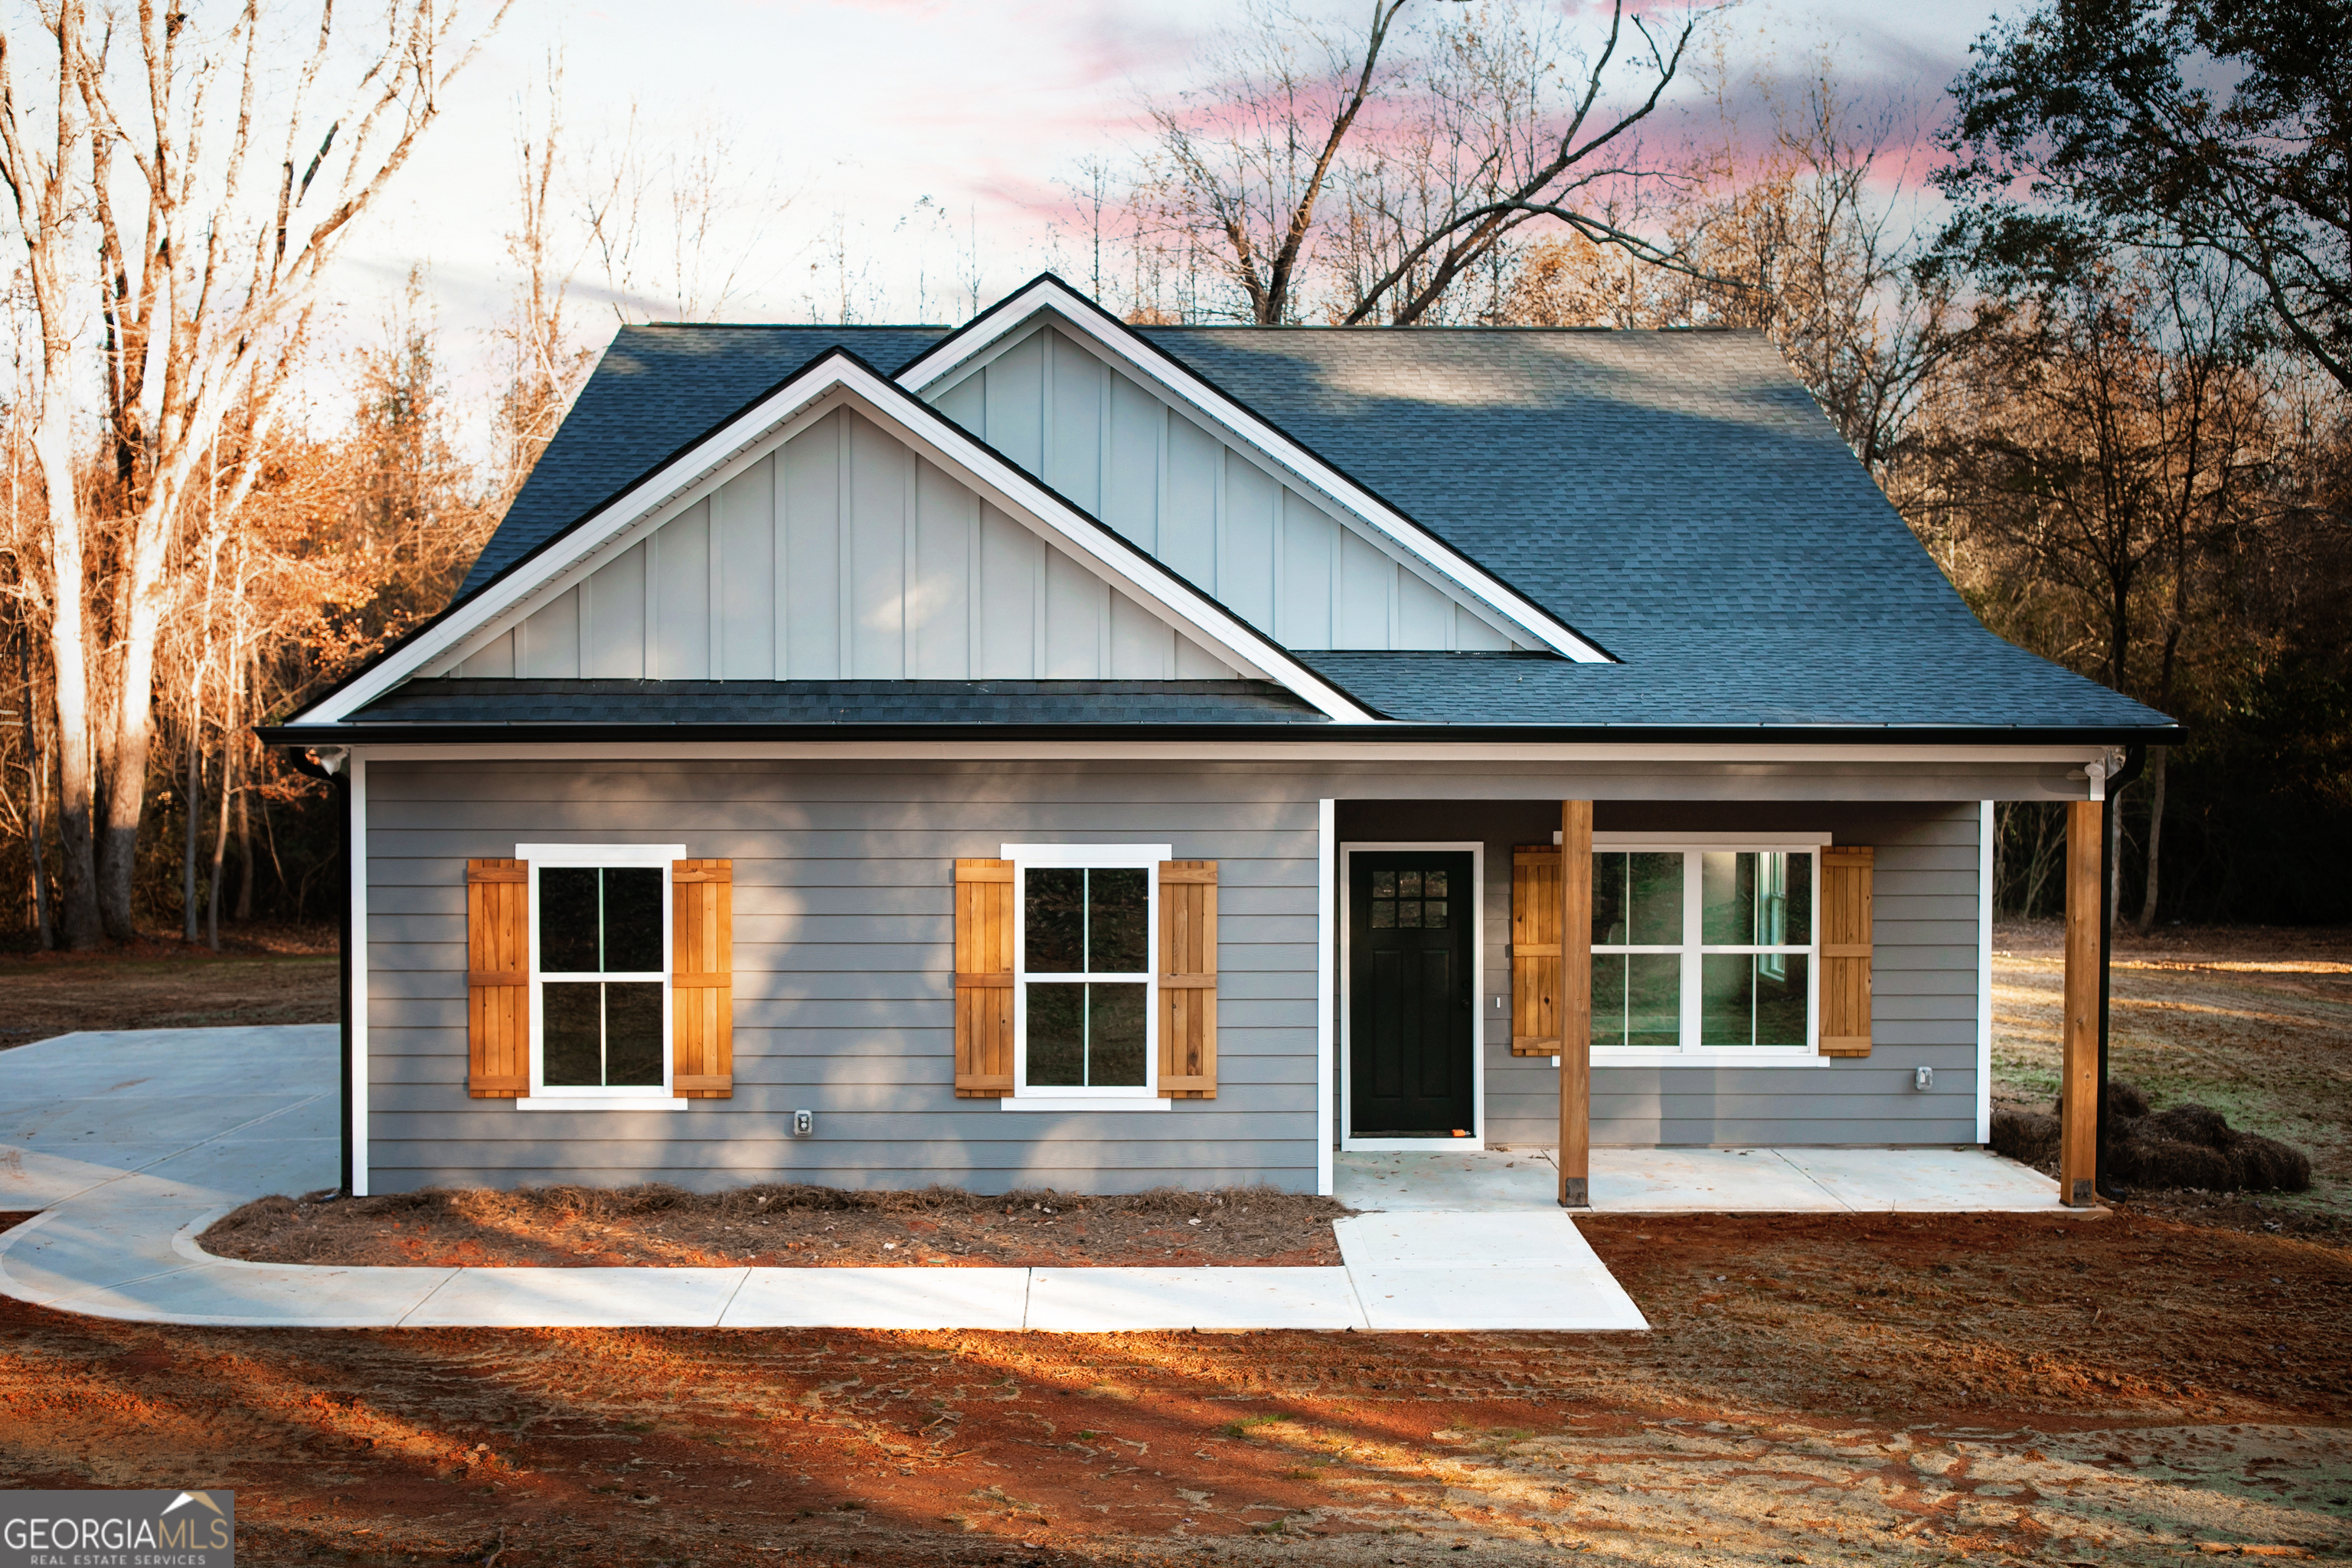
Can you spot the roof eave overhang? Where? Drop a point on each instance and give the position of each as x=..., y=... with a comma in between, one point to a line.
x=364, y=734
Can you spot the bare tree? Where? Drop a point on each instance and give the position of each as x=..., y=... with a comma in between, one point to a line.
x=47, y=187
x=236, y=219
x=544, y=367
x=678, y=233
x=1478, y=146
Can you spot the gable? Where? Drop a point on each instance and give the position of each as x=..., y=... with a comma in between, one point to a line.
x=1206, y=503
x=842, y=554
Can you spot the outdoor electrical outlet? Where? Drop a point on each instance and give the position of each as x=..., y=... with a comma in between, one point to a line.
x=1923, y=1078
x=804, y=1123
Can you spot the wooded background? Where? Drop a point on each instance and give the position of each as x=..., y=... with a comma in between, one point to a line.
x=2090, y=339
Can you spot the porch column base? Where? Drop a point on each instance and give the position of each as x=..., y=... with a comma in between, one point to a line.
x=1575, y=1193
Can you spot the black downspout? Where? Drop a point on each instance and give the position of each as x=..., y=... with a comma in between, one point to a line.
x=339, y=786
x=2134, y=760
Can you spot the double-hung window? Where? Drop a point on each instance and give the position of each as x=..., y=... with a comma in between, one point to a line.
x=1704, y=951
x=1084, y=987
x=600, y=945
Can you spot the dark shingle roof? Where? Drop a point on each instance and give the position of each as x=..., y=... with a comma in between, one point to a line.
x=1676, y=496
x=658, y=390
x=453, y=701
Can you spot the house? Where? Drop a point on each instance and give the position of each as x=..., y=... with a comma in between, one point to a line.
x=1059, y=751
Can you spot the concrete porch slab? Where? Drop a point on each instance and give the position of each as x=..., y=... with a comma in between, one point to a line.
x=1706, y=1181
x=1929, y=1181
x=1458, y=1181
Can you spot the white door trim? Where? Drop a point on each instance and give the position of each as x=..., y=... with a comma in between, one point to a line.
x=1345, y=1056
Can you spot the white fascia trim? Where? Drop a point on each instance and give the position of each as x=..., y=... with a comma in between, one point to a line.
x=937, y=437
x=1369, y=750
x=1081, y=316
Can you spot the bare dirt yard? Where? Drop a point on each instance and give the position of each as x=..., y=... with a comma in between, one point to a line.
x=779, y=1226
x=1817, y=1389
x=279, y=976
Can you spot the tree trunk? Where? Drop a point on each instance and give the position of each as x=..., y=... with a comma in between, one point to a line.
x=244, y=857
x=2115, y=853
x=134, y=733
x=191, y=809
x=2155, y=837
x=36, y=768
x=69, y=660
x=220, y=837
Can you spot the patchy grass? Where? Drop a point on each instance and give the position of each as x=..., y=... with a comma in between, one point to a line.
x=2255, y=1023
x=268, y=975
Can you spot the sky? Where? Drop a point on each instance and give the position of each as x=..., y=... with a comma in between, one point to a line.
x=918, y=144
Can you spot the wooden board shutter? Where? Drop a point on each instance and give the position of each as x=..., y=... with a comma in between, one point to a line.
x=1188, y=980
x=1535, y=950
x=983, y=978
x=1845, y=950
x=702, y=979
x=498, y=979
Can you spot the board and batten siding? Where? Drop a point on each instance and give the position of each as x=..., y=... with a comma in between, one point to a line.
x=1215, y=511
x=844, y=554
x=1922, y=998
x=843, y=966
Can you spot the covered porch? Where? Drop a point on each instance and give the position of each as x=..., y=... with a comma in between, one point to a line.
x=1891, y=1009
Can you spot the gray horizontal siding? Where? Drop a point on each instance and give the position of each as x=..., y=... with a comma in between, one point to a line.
x=1924, y=987
x=844, y=943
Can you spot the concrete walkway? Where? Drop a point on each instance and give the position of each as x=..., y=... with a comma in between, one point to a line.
x=131, y=1142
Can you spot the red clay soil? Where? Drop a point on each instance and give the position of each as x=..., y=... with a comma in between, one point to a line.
x=1817, y=1389
x=781, y=1226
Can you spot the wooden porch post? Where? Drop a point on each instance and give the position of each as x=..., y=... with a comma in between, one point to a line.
x=1576, y=1003
x=2078, y=1146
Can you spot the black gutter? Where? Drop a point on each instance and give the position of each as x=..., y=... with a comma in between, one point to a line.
x=497, y=733
x=341, y=786
x=2135, y=761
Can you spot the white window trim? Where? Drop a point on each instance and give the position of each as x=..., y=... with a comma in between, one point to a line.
x=1692, y=1055
x=568, y=1096
x=1026, y=856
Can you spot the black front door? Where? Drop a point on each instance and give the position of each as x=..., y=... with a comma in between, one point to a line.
x=1410, y=1002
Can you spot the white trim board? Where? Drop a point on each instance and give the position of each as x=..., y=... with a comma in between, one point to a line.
x=1984, y=974
x=1326, y=947
x=361, y=874
x=1089, y=322
x=1476, y=848
x=839, y=380
x=1368, y=748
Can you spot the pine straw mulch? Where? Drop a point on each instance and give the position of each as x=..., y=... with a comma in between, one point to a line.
x=787, y=1226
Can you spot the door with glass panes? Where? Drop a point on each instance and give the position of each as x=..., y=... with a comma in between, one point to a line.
x=1412, y=1003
